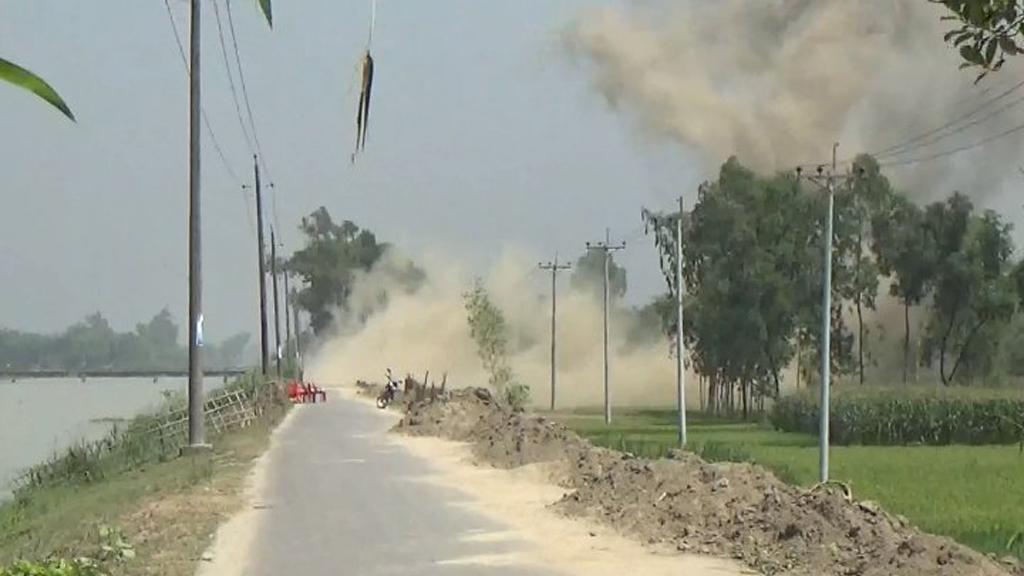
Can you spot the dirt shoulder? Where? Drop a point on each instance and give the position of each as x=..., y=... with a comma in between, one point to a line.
x=520, y=499
x=230, y=550
x=735, y=511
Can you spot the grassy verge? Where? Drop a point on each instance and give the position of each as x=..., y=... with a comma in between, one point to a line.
x=155, y=518
x=974, y=494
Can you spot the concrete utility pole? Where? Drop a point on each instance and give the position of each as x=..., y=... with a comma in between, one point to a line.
x=828, y=183
x=680, y=368
x=298, y=336
x=277, y=315
x=196, y=427
x=287, y=313
x=606, y=248
x=555, y=268
x=262, y=259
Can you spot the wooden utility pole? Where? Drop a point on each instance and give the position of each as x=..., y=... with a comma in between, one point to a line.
x=264, y=356
x=606, y=248
x=196, y=428
x=554, y=267
x=277, y=315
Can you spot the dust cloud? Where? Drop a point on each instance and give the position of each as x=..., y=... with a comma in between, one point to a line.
x=426, y=330
x=776, y=82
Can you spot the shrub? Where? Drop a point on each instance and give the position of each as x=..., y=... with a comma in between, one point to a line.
x=517, y=395
x=489, y=331
x=909, y=416
x=78, y=567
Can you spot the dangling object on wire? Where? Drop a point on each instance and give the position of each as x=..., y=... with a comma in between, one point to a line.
x=363, y=114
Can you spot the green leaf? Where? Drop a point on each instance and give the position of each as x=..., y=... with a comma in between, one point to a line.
x=1008, y=45
x=990, y=52
x=267, y=11
x=971, y=54
x=22, y=78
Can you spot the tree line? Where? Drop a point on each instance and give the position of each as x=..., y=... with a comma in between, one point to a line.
x=753, y=273
x=93, y=344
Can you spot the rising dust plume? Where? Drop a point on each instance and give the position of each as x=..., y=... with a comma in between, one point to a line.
x=776, y=82
x=427, y=330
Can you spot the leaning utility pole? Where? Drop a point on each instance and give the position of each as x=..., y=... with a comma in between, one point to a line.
x=554, y=267
x=680, y=368
x=277, y=315
x=606, y=248
x=828, y=183
x=196, y=428
x=264, y=358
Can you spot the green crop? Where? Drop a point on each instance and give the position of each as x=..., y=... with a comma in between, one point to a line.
x=909, y=416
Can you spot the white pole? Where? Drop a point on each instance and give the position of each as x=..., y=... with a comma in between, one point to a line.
x=680, y=368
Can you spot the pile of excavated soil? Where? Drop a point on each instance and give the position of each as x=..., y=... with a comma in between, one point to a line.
x=735, y=510
x=499, y=435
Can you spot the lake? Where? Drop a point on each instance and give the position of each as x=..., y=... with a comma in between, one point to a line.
x=41, y=416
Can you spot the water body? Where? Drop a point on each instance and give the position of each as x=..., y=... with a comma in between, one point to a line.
x=41, y=416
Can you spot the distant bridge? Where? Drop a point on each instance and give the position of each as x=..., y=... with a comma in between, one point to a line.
x=33, y=374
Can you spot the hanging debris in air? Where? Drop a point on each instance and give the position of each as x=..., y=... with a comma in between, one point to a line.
x=363, y=114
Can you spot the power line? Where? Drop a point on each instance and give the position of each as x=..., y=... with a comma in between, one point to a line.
x=206, y=120
x=906, y=146
x=273, y=205
x=245, y=90
x=936, y=134
x=247, y=205
x=957, y=150
x=231, y=78
x=973, y=123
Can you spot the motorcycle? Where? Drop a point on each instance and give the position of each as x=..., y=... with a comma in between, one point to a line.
x=387, y=396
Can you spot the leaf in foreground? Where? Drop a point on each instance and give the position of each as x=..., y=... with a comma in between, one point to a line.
x=267, y=11
x=23, y=78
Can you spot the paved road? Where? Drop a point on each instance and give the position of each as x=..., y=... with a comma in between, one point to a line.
x=342, y=499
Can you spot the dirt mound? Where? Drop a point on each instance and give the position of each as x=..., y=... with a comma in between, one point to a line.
x=735, y=510
x=500, y=436
x=743, y=511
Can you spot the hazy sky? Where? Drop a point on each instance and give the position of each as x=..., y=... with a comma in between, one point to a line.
x=483, y=135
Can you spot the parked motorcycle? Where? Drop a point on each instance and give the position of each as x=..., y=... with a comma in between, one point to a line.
x=387, y=396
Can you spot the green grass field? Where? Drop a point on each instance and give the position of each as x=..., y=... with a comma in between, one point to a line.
x=974, y=494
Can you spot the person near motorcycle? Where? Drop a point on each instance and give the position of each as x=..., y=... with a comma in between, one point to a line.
x=390, y=389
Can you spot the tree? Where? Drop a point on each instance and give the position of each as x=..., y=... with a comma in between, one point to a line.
x=653, y=321
x=489, y=331
x=867, y=195
x=227, y=354
x=328, y=265
x=973, y=290
x=905, y=252
x=988, y=31
x=745, y=260
x=89, y=344
x=588, y=275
